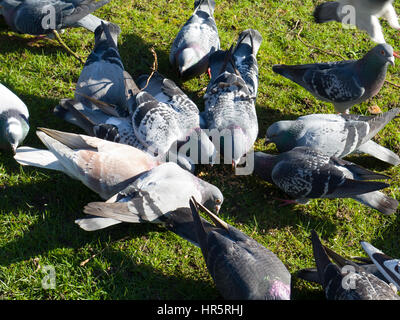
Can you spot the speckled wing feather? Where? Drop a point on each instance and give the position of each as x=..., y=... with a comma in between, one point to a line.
x=155, y=123
x=306, y=173
x=244, y=56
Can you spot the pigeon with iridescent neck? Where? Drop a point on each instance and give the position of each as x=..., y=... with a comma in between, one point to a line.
x=197, y=39
x=334, y=135
x=304, y=173
x=364, y=14
x=242, y=269
x=343, y=83
x=14, y=120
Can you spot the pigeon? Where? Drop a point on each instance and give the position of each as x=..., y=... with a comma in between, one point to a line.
x=304, y=173
x=43, y=17
x=14, y=120
x=388, y=266
x=244, y=57
x=364, y=14
x=104, y=167
x=103, y=76
x=343, y=83
x=155, y=194
x=196, y=40
x=348, y=282
x=230, y=109
x=165, y=116
x=242, y=269
x=334, y=135
x=311, y=274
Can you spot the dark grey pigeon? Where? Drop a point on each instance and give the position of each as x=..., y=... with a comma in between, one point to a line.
x=342, y=281
x=165, y=116
x=196, y=40
x=304, y=173
x=14, y=120
x=156, y=193
x=244, y=56
x=35, y=16
x=311, y=274
x=230, y=108
x=343, y=83
x=387, y=265
x=242, y=269
x=364, y=14
x=334, y=135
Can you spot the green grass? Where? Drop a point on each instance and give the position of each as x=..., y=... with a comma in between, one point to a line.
x=38, y=207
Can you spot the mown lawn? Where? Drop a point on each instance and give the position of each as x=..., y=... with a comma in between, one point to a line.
x=38, y=207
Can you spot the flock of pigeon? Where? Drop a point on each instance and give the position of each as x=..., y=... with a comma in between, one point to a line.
x=133, y=151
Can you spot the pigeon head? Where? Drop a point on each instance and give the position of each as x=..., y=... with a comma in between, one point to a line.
x=14, y=133
x=189, y=59
x=212, y=197
x=383, y=54
x=283, y=134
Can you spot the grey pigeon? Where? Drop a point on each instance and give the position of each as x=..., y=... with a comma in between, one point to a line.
x=156, y=193
x=196, y=40
x=343, y=83
x=105, y=92
x=104, y=167
x=14, y=120
x=242, y=269
x=334, y=135
x=245, y=58
x=38, y=17
x=230, y=108
x=165, y=116
x=304, y=173
x=364, y=14
x=103, y=76
x=388, y=266
x=311, y=274
x=348, y=282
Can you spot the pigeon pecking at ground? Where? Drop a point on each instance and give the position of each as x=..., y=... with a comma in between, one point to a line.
x=342, y=281
x=304, y=173
x=343, y=83
x=364, y=14
x=230, y=109
x=44, y=17
x=388, y=266
x=156, y=193
x=196, y=40
x=334, y=135
x=14, y=120
x=242, y=269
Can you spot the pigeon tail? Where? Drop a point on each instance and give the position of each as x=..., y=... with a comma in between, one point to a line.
x=326, y=12
x=379, y=152
x=82, y=10
x=39, y=158
x=205, y=5
x=90, y=22
x=378, y=201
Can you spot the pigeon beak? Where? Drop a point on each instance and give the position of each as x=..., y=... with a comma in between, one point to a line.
x=14, y=149
x=217, y=208
x=391, y=60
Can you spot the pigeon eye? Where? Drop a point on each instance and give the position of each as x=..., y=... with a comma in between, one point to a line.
x=218, y=201
x=383, y=52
